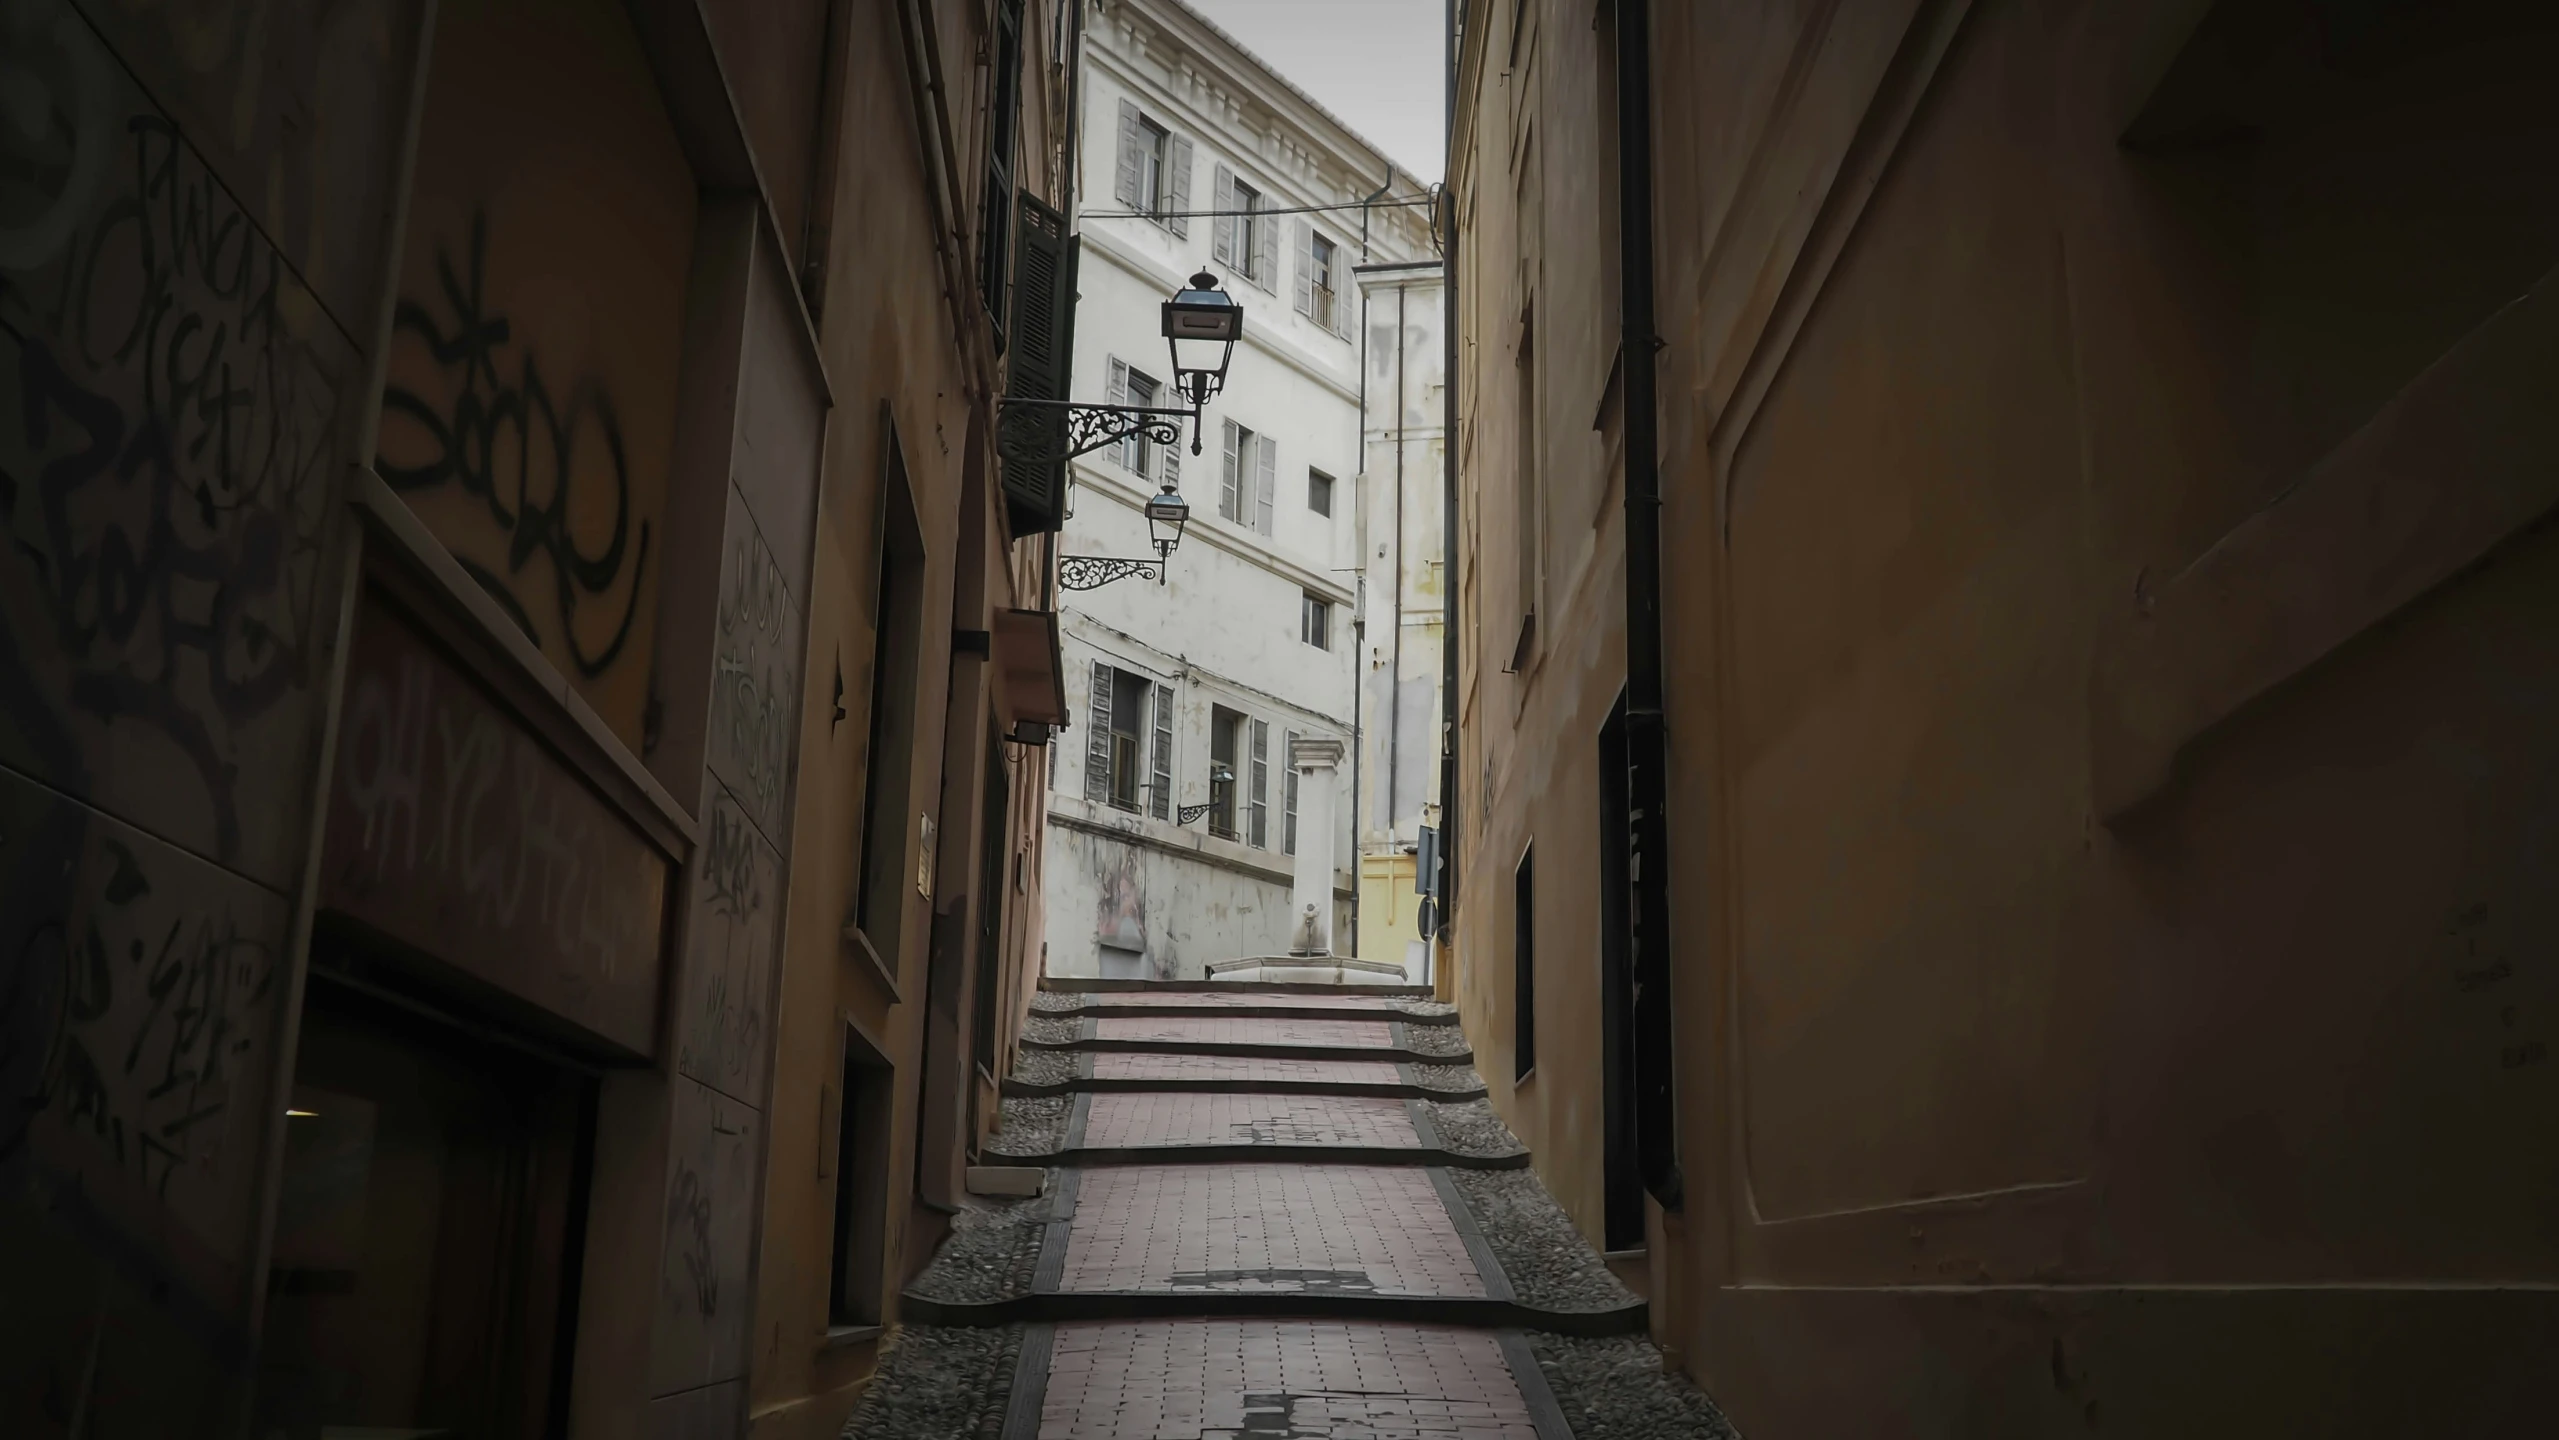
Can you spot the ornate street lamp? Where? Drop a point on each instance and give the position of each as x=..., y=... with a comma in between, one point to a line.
x=1201, y=326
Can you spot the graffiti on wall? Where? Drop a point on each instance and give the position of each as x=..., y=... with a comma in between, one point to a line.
x=454, y=830
x=755, y=682
x=529, y=398
x=165, y=445
x=543, y=467
x=138, y=991
x=730, y=953
x=700, y=1334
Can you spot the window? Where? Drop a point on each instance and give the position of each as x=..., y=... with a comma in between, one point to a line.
x=1150, y=163
x=1261, y=811
x=1246, y=241
x=1319, y=493
x=1223, y=728
x=1244, y=488
x=1154, y=174
x=1130, y=386
x=1528, y=519
x=1318, y=279
x=1524, y=967
x=1315, y=621
x=1288, y=793
x=995, y=210
x=897, y=620
x=1112, y=751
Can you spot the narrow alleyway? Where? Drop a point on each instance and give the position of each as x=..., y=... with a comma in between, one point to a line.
x=1270, y=1210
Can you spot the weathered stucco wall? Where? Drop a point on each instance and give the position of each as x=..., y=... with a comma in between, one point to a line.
x=2107, y=645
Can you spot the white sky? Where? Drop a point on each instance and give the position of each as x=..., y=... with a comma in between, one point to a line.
x=1375, y=63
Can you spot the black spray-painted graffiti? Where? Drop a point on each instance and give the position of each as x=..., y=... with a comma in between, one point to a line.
x=732, y=944
x=688, y=1222
x=163, y=484
x=145, y=1013
x=750, y=710
x=506, y=442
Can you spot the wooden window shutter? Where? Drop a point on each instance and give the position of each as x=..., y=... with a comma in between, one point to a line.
x=1172, y=462
x=1288, y=793
x=1265, y=476
x=1222, y=233
x=1177, y=187
x=1097, y=745
x=1305, y=268
x=1040, y=366
x=1159, y=801
x=1261, y=792
x=1124, y=188
x=1229, y=497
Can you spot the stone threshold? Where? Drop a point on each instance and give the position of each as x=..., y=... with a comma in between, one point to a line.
x=1247, y=1154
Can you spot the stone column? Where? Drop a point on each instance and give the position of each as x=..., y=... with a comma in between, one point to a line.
x=1310, y=899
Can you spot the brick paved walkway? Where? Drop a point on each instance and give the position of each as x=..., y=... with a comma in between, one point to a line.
x=1216, y=1379
x=1368, y=1229
x=1172, y=1118
x=1175, y=1235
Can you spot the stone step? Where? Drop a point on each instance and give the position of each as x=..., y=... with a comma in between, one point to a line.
x=1089, y=985
x=1325, y=1038
x=1256, y=1006
x=1161, y=1128
x=1227, y=1074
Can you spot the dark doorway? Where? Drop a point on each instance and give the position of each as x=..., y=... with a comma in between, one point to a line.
x=1623, y=1210
x=863, y=1099
x=427, y=1230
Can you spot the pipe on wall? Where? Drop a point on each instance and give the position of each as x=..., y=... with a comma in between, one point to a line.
x=1647, y=750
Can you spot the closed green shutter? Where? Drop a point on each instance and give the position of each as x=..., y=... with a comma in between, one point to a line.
x=1042, y=362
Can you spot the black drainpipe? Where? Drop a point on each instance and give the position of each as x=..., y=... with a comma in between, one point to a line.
x=1448, y=766
x=1648, y=869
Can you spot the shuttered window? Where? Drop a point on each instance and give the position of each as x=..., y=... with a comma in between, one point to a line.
x=1097, y=741
x=1244, y=491
x=1288, y=793
x=1040, y=366
x=1261, y=787
x=1154, y=172
x=1265, y=481
x=995, y=209
x=1159, y=797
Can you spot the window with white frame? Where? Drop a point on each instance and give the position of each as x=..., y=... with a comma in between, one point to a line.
x=1251, y=463
x=1319, y=280
x=1154, y=173
x=1315, y=620
x=1130, y=386
x=1319, y=493
x=1260, y=836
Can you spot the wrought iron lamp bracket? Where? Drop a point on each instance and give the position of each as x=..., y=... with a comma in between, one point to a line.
x=1090, y=572
x=1192, y=813
x=1027, y=430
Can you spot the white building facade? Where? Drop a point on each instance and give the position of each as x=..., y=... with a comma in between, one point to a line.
x=1202, y=693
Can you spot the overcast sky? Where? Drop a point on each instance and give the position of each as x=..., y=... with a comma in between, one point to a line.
x=1375, y=63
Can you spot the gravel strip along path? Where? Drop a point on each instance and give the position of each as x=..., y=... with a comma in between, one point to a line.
x=1470, y=1127
x=1032, y=1125
x=1049, y=1002
x=1436, y=1040
x=1053, y=1029
x=992, y=1252
x=1426, y=1007
x=1044, y=1067
x=1545, y=1256
x=940, y=1381
x=1447, y=1077
x=1616, y=1389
